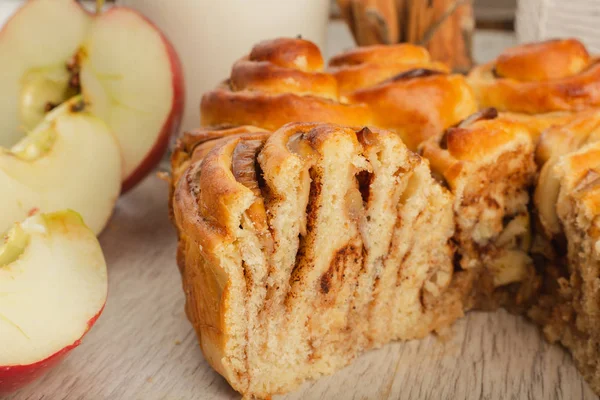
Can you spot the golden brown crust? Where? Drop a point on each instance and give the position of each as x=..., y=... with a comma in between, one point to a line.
x=255, y=75
x=193, y=146
x=205, y=286
x=280, y=81
x=483, y=138
x=188, y=142
x=218, y=193
x=538, y=123
x=476, y=142
x=392, y=87
x=580, y=176
x=556, y=75
x=209, y=202
x=223, y=105
x=581, y=129
x=289, y=53
x=553, y=59
x=404, y=53
x=202, y=231
x=407, y=92
x=418, y=108
x=367, y=66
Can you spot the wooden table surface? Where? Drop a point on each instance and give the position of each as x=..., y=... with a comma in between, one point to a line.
x=144, y=348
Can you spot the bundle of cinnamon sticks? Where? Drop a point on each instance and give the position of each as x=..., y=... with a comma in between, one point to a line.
x=445, y=27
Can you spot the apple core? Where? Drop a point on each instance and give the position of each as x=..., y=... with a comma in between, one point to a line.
x=42, y=89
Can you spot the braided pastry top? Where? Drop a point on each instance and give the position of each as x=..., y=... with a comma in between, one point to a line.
x=406, y=91
x=280, y=81
x=556, y=75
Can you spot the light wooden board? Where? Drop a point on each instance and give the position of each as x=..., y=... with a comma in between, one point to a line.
x=144, y=348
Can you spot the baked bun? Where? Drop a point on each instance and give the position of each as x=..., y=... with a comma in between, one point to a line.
x=300, y=250
x=488, y=164
x=570, y=309
x=547, y=79
x=280, y=81
x=406, y=91
x=394, y=87
x=581, y=129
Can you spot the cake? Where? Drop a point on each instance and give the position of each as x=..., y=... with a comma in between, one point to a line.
x=299, y=251
x=323, y=213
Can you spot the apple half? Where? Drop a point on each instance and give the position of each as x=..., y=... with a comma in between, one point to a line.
x=127, y=71
x=53, y=287
x=71, y=160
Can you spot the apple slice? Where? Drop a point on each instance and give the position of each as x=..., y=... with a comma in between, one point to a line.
x=71, y=160
x=127, y=71
x=132, y=79
x=53, y=286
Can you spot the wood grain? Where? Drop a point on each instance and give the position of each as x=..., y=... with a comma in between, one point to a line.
x=143, y=347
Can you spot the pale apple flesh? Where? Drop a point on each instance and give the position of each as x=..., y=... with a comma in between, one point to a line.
x=53, y=282
x=71, y=160
x=35, y=47
x=128, y=72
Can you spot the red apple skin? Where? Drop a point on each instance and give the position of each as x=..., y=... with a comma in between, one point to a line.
x=173, y=121
x=14, y=377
